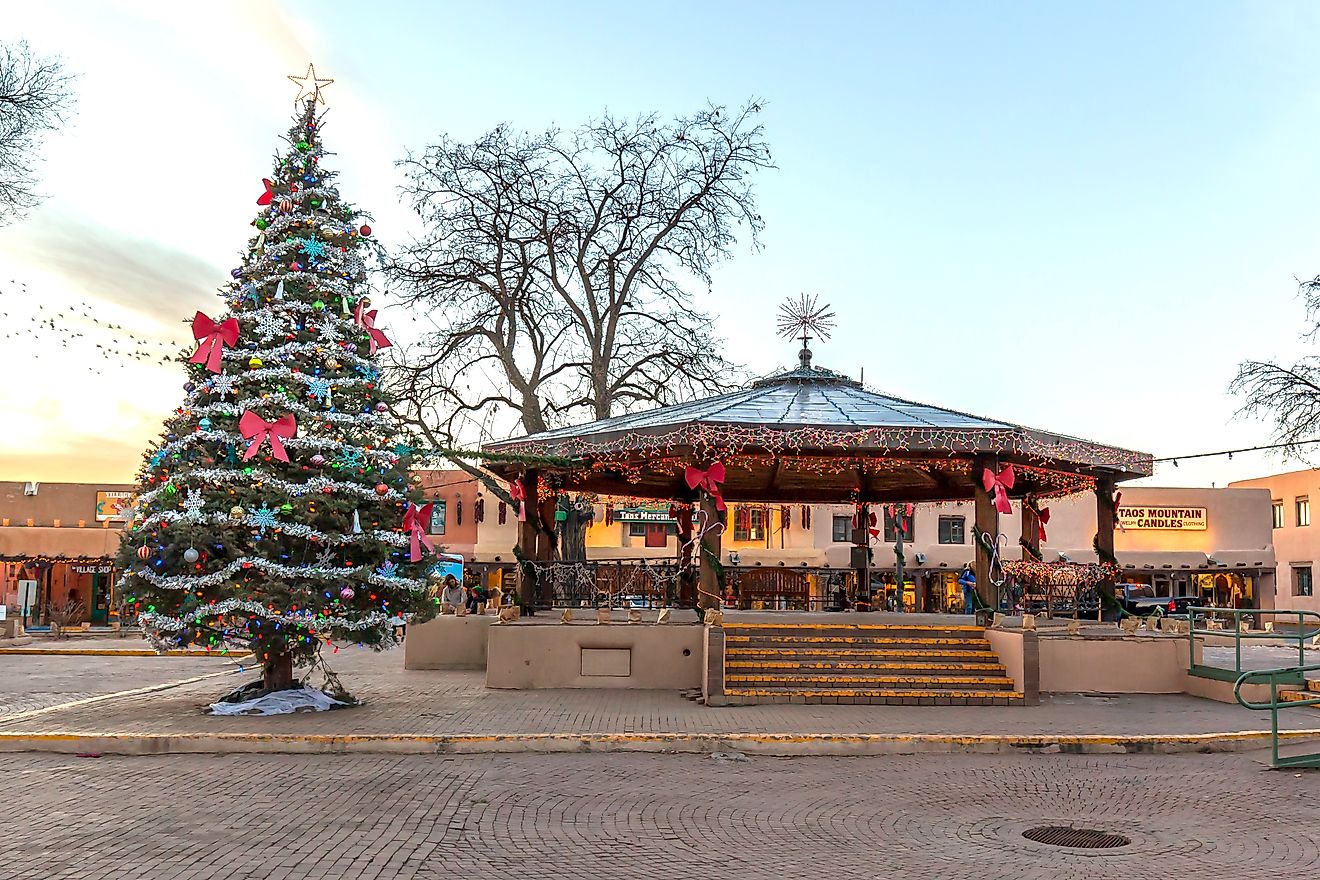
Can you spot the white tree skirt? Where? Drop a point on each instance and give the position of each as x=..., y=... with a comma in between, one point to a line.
x=303, y=699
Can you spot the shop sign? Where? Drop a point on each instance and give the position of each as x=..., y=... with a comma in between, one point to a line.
x=93, y=569
x=1177, y=519
x=112, y=506
x=643, y=514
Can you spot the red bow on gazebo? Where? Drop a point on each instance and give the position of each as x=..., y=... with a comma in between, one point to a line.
x=1118, y=521
x=1042, y=518
x=519, y=496
x=708, y=480
x=367, y=321
x=998, y=484
x=415, y=520
x=212, y=339
x=253, y=427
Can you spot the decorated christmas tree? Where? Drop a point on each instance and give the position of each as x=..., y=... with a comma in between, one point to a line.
x=275, y=511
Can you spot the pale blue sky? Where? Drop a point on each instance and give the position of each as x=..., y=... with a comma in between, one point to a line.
x=1107, y=204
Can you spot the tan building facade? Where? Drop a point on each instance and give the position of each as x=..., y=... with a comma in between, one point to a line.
x=57, y=547
x=1296, y=540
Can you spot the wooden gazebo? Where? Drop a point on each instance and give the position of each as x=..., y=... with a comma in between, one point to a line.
x=809, y=435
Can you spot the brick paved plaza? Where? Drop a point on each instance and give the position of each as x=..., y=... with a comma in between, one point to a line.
x=457, y=703
x=279, y=817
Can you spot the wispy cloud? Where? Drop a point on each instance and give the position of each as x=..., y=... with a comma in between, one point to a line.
x=159, y=283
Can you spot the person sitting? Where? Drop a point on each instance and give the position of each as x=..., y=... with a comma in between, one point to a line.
x=477, y=596
x=451, y=596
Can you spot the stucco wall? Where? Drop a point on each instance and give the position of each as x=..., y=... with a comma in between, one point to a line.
x=529, y=655
x=1113, y=665
x=447, y=642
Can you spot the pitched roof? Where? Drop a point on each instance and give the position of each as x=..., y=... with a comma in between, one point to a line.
x=807, y=396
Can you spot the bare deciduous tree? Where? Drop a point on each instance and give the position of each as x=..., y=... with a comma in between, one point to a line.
x=1289, y=395
x=557, y=271
x=35, y=97
x=557, y=268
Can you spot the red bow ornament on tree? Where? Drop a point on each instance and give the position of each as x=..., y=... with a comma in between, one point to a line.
x=269, y=195
x=212, y=340
x=367, y=321
x=253, y=427
x=998, y=484
x=519, y=496
x=708, y=479
x=415, y=520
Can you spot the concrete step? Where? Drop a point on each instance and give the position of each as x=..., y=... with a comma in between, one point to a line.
x=759, y=681
x=939, y=655
x=1299, y=696
x=915, y=667
x=846, y=639
x=891, y=697
x=860, y=631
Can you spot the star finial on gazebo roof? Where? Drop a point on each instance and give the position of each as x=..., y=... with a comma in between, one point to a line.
x=805, y=317
x=310, y=85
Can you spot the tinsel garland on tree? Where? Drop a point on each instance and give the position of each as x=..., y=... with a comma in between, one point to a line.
x=274, y=511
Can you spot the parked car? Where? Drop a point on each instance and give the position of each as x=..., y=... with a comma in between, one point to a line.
x=1140, y=599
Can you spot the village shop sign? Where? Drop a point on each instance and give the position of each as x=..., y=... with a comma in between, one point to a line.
x=1177, y=519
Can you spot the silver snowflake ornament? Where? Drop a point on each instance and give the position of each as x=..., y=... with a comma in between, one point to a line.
x=193, y=504
x=222, y=385
x=262, y=518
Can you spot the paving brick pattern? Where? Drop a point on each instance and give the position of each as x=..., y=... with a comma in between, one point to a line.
x=29, y=682
x=648, y=816
x=442, y=703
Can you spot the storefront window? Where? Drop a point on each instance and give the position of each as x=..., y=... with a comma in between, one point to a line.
x=1276, y=511
x=636, y=529
x=1304, y=511
x=841, y=532
x=437, y=517
x=891, y=533
x=749, y=524
x=953, y=529
x=1302, y=580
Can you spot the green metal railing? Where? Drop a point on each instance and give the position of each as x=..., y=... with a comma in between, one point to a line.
x=1274, y=677
x=1300, y=636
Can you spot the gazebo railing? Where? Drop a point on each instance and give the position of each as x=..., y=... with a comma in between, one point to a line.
x=594, y=583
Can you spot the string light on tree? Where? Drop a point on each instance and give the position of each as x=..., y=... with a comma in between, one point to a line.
x=241, y=536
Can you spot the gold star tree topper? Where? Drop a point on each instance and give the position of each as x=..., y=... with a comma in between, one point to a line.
x=309, y=86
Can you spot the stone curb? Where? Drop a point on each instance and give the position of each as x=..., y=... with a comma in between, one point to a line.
x=783, y=745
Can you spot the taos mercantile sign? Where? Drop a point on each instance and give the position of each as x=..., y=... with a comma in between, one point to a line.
x=1178, y=519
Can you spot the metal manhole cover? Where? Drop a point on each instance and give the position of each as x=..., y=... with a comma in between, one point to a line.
x=1079, y=838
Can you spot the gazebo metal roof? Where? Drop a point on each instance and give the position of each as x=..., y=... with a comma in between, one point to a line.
x=811, y=434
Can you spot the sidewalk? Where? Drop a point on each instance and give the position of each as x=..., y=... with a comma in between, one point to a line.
x=430, y=712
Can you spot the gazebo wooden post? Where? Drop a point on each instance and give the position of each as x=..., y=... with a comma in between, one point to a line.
x=1105, y=516
x=862, y=558
x=1030, y=544
x=686, y=592
x=1030, y=533
x=987, y=522
x=708, y=578
x=529, y=539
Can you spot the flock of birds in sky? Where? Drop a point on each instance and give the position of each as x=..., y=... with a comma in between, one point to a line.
x=62, y=330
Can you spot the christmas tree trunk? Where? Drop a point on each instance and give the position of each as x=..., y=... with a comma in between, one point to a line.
x=276, y=512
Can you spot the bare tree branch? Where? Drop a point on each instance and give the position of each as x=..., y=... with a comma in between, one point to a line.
x=35, y=98
x=564, y=262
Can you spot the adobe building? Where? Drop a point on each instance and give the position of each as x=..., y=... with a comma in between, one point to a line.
x=57, y=548
x=1296, y=541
